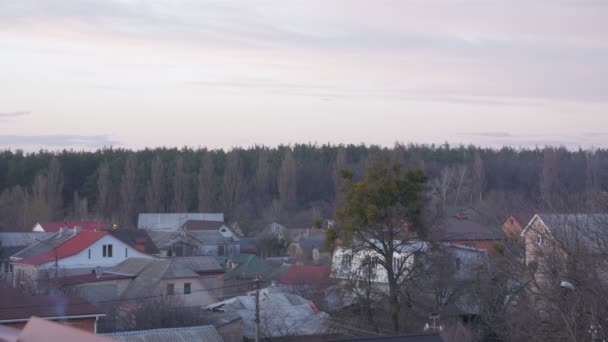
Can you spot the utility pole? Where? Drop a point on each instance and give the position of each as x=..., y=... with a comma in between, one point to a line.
x=257, y=309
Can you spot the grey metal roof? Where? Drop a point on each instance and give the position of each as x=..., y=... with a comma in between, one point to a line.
x=588, y=229
x=166, y=239
x=157, y=221
x=189, y=334
x=45, y=245
x=280, y=313
x=22, y=239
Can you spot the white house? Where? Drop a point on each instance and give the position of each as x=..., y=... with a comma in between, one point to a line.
x=348, y=264
x=70, y=252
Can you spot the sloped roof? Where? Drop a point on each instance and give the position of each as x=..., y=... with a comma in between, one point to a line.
x=37, y=330
x=91, y=278
x=464, y=226
x=55, y=226
x=306, y=275
x=279, y=313
x=523, y=218
x=588, y=229
x=16, y=305
x=136, y=238
x=148, y=272
x=249, y=266
x=45, y=245
x=188, y=334
x=22, y=239
x=72, y=246
x=173, y=221
x=203, y=225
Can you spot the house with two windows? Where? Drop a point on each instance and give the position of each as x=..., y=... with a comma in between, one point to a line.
x=192, y=281
x=68, y=252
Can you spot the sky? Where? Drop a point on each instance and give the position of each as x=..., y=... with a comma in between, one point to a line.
x=221, y=74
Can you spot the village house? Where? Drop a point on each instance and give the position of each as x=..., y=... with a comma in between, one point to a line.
x=348, y=264
x=12, y=243
x=194, y=281
x=550, y=239
x=17, y=307
x=173, y=221
x=43, y=330
x=68, y=252
x=464, y=227
x=281, y=314
x=193, y=243
x=514, y=224
x=55, y=226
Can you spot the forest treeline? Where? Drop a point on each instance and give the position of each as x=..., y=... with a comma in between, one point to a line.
x=292, y=184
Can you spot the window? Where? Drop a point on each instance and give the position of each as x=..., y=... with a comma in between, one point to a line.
x=107, y=251
x=187, y=288
x=89, y=253
x=220, y=250
x=170, y=289
x=347, y=260
x=126, y=252
x=539, y=240
x=396, y=264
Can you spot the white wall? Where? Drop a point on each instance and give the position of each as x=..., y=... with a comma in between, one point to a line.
x=380, y=276
x=82, y=261
x=38, y=228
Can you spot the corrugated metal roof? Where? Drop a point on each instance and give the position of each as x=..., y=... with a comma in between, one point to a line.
x=45, y=245
x=72, y=246
x=189, y=334
x=156, y=221
x=22, y=239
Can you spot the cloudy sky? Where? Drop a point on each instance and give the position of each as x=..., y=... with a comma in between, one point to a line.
x=91, y=73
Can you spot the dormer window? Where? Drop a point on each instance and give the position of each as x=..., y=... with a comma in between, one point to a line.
x=539, y=240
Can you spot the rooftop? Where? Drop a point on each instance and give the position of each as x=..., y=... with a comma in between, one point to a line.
x=55, y=226
x=16, y=306
x=61, y=247
x=187, y=334
x=173, y=221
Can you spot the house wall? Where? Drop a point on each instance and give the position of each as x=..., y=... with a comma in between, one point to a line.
x=81, y=264
x=213, y=249
x=38, y=228
x=200, y=294
x=86, y=324
x=338, y=271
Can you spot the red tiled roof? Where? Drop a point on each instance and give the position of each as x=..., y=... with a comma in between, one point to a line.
x=53, y=227
x=72, y=246
x=203, y=225
x=16, y=305
x=305, y=275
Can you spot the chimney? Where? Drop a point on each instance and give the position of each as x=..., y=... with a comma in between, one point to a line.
x=77, y=229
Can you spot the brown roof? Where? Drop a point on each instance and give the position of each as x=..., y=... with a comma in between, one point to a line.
x=523, y=218
x=16, y=305
x=203, y=225
x=39, y=330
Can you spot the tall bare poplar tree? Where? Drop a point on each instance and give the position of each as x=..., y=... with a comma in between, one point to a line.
x=340, y=164
x=233, y=181
x=128, y=192
x=287, y=180
x=54, y=189
x=180, y=184
x=479, y=177
x=262, y=174
x=549, y=176
x=205, y=183
x=103, y=190
x=156, y=190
